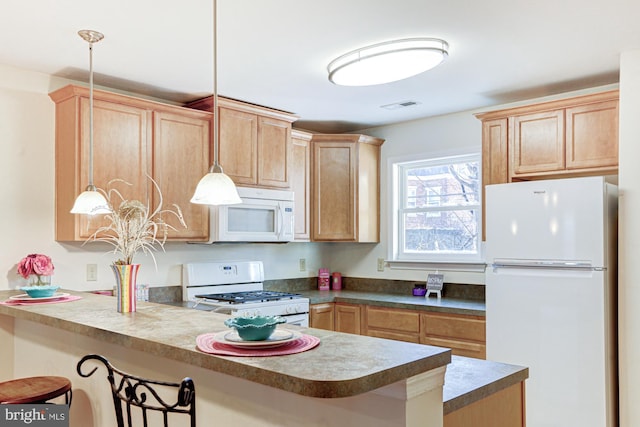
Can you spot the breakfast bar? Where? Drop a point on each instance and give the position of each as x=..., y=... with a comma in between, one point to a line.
x=345, y=380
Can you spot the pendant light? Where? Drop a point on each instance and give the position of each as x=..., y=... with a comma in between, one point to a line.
x=90, y=201
x=215, y=188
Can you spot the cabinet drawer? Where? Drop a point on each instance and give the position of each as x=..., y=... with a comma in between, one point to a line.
x=393, y=319
x=459, y=348
x=455, y=326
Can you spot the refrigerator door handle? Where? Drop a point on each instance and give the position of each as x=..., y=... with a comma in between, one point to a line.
x=545, y=264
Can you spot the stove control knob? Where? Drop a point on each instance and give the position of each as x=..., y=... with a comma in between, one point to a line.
x=290, y=309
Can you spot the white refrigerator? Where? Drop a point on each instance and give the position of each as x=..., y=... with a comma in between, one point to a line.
x=551, y=295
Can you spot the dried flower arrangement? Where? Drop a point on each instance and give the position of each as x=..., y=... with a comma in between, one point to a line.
x=133, y=226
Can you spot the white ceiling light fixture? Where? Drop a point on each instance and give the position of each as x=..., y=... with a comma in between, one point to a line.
x=387, y=62
x=215, y=188
x=90, y=201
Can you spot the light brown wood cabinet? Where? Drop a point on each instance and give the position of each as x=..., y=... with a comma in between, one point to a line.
x=321, y=316
x=180, y=155
x=348, y=318
x=568, y=137
x=502, y=408
x=564, y=138
x=301, y=183
x=464, y=334
x=495, y=157
x=391, y=323
x=133, y=138
x=254, y=146
x=345, y=189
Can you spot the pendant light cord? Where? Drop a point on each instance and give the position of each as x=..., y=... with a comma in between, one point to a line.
x=91, y=114
x=214, y=133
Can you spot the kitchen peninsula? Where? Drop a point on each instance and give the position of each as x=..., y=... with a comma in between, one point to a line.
x=346, y=380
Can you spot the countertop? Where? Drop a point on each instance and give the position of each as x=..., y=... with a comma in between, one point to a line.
x=342, y=365
x=468, y=380
x=444, y=305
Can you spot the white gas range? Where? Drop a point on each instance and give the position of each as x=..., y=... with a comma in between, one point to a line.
x=236, y=288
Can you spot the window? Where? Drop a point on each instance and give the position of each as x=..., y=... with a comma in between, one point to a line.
x=437, y=208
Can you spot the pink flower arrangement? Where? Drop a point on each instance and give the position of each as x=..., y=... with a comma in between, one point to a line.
x=38, y=264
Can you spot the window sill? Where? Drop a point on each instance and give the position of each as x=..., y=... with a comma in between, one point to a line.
x=476, y=267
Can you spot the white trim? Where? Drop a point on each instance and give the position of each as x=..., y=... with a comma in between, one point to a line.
x=461, y=262
x=476, y=267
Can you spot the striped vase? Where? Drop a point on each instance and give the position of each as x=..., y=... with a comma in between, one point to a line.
x=126, y=286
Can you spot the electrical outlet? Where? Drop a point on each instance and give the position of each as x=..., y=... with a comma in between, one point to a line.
x=303, y=264
x=380, y=264
x=92, y=272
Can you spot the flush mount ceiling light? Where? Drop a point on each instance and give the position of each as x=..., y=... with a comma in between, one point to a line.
x=215, y=188
x=90, y=201
x=387, y=62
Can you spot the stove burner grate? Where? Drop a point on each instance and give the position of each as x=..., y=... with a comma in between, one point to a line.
x=249, y=296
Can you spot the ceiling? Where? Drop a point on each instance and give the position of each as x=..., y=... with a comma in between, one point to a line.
x=275, y=52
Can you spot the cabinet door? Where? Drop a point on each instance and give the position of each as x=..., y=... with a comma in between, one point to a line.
x=301, y=184
x=347, y=318
x=321, y=316
x=181, y=158
x=494, y=157
x=538, y=143
x=238, y=145
x=334, y=172
x=274, y=152
x=121, y=150
x=592, y=135
x=395, y=324
x=465, y=335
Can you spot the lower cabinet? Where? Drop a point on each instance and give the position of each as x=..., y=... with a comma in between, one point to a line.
x=391, y=323
x=503, y=408
x=464, y=334
x=321, y=316
x=348, y=318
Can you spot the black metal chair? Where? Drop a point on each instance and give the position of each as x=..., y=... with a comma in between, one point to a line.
x=135, y=392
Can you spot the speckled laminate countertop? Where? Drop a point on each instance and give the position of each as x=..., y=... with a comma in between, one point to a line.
x=342, y=365
x=446, y=305
x=468, y=380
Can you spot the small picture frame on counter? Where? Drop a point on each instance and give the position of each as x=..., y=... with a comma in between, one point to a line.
x=435, y=282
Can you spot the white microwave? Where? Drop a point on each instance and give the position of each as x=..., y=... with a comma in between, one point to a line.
x=264, y=215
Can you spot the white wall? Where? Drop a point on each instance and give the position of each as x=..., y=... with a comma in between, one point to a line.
x=27, y=141
x=629, y=239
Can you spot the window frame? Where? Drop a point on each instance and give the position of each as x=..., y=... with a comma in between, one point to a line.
x=455, y=262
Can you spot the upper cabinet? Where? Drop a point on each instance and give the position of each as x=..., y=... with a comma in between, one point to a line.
x=568, y=137
x=133, y=138
x=254, y=146
x=345, y=188
x=301, y=182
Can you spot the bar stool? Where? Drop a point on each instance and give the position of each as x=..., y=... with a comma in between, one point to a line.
x=135, y=397
x=35, y=390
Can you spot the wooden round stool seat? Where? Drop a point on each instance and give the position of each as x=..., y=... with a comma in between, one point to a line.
x=35, y=389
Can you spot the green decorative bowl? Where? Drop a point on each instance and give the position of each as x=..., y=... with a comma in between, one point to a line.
x=40, y=291
x=256, y=328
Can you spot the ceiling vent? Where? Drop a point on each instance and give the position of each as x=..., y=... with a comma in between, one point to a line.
x=399, y=105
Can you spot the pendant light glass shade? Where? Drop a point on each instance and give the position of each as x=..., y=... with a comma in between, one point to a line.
x=215, y=188
x=387, y=62
x=90, y=201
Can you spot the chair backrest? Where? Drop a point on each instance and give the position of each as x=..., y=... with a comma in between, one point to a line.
x=135, y=397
